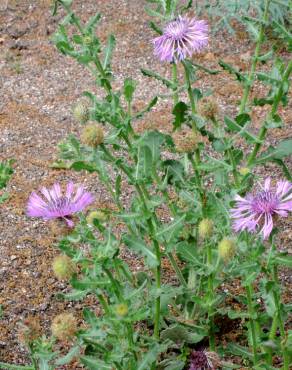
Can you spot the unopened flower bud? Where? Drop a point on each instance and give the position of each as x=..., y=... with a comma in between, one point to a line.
x=96, y=215
x=226, y=249
x=29, y=330
x=205, y=228
x=81, y=112
x=186, y=141
x=244, y=171
x=121, y=309
x=92, y=135
x=208, y=107
x=64, y=326
x=63, y=267
x=87, y=40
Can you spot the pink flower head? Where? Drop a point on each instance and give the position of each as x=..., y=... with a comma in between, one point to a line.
x=257, y=211
x=54, y=204
x=180, y=39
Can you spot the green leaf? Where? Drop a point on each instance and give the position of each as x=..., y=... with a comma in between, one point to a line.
x=79, y=166
x=74, y=352
x=155, y=28
x=129, y=89
x=111, y=42
x=144, y=163
x=205, y=69
x=118, y=184
x=153, y=140
x=281, y=151
x=188, y=253
x=227, y=67
x=147, y=109
x=94, y=363
x=92, y=22
x=285, y=260
x=150, y=357
x=179, y=333
x=158, y=77
x=238, y=350
x=6, y=171
x=139, y=246
x=179, y=111
x=5, y=366
x=274, y=121
x=235, y=127
x=171, y=230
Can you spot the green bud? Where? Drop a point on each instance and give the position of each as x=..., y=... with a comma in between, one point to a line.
x=92, y=135
x=226, y=249
x=63, y=267
x=244, y=171
x=64, y=326
x=87, y=40
x=205, y=228
x=96, y=215
x=81, y=112
x=121, y=309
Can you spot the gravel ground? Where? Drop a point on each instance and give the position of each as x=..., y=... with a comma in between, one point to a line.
x=38, y=88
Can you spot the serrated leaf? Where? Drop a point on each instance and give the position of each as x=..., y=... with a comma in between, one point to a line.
x=129, y=89
x=94, y=363
x=158, y=77
x=284, y=260
x=111, y=43
x=171, y=230
x=179, y=111
x=235, y=127
x=138, y=245
x=74, y=352
x=148, y=108
x=238, y=350
x=283, y=150
x=227, y=67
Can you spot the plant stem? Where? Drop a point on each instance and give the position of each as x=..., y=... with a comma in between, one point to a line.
x=191, y=95
x=157, y=279
x=252, y=322
x=210, y=309
x=280, y=321
x=174, y=79
x=174, y=213
x=234, y=170
x=250, y=79
x=276, y=102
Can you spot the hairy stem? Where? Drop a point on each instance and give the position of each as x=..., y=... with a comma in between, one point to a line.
x=252, y=323
x=210, y=309
x=175, y=81
x=280, y=321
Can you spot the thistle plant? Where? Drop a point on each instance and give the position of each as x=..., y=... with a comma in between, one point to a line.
x=215, y=229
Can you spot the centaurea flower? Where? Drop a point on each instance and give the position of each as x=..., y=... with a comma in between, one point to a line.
x=181, y=38
x=54, y=204
x=255, y=212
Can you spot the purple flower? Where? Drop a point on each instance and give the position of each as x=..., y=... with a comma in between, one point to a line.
x=181, y=38
x=54, y=204
x=257, y=211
